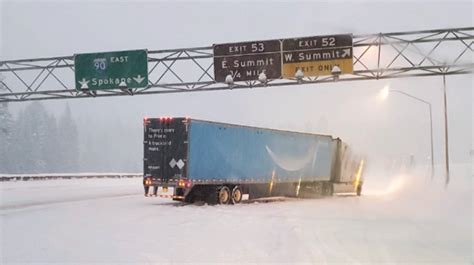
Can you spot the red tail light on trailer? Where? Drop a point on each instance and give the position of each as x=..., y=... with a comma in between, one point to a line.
x=183, y=183
x=166, y=119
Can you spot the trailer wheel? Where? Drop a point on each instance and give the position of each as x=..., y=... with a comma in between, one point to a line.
x=236, y=195
x=223, y=196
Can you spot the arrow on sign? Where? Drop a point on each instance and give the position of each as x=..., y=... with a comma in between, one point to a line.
x=139, y=79
x=346, y=52
x=84, y=83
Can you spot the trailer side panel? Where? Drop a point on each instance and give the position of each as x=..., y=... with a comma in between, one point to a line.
x=238, y=153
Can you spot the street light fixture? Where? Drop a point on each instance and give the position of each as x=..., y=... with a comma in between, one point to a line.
x=229, y=80
x=384, y=94
x=124, y=87
x=262, y=77
x=336, y=72
x=299, y=75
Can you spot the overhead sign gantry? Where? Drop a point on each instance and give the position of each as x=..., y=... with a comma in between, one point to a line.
x=438, y=52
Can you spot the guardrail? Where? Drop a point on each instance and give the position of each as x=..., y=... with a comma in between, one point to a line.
x=27, y=177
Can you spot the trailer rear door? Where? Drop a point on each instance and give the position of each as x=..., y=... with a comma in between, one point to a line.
x=165, y=148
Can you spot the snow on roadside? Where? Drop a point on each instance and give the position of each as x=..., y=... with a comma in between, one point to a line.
x=407, y=220
x=33, y=193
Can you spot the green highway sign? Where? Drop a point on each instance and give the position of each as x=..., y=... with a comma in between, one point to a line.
x=111, y=70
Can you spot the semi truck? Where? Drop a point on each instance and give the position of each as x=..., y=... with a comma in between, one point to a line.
x=222, y=163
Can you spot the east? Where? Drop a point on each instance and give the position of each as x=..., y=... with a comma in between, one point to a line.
x=119, y=59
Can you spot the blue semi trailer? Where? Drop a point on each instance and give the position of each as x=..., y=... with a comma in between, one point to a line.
x=223, y=163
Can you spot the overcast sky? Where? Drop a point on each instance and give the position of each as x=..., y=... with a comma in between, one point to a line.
x=350, y=110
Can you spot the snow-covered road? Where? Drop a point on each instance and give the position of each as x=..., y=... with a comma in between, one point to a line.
x=109, y=221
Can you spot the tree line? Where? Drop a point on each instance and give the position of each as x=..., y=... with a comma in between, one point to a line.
x=37, y=142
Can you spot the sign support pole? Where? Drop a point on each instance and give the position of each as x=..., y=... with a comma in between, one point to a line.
x=446, y=144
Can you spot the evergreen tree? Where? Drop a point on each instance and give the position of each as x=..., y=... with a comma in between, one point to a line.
x=32, y=139
x=20, y=153
x=68, y=142
x=6, y=133
x=53, y=155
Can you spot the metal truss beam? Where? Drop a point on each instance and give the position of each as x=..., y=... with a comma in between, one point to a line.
x=376, y=56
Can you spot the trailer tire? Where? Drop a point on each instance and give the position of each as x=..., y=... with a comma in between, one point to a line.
x=236, y=195
x=223, y=195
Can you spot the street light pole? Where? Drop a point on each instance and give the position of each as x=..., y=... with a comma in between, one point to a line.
x=431, y=124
